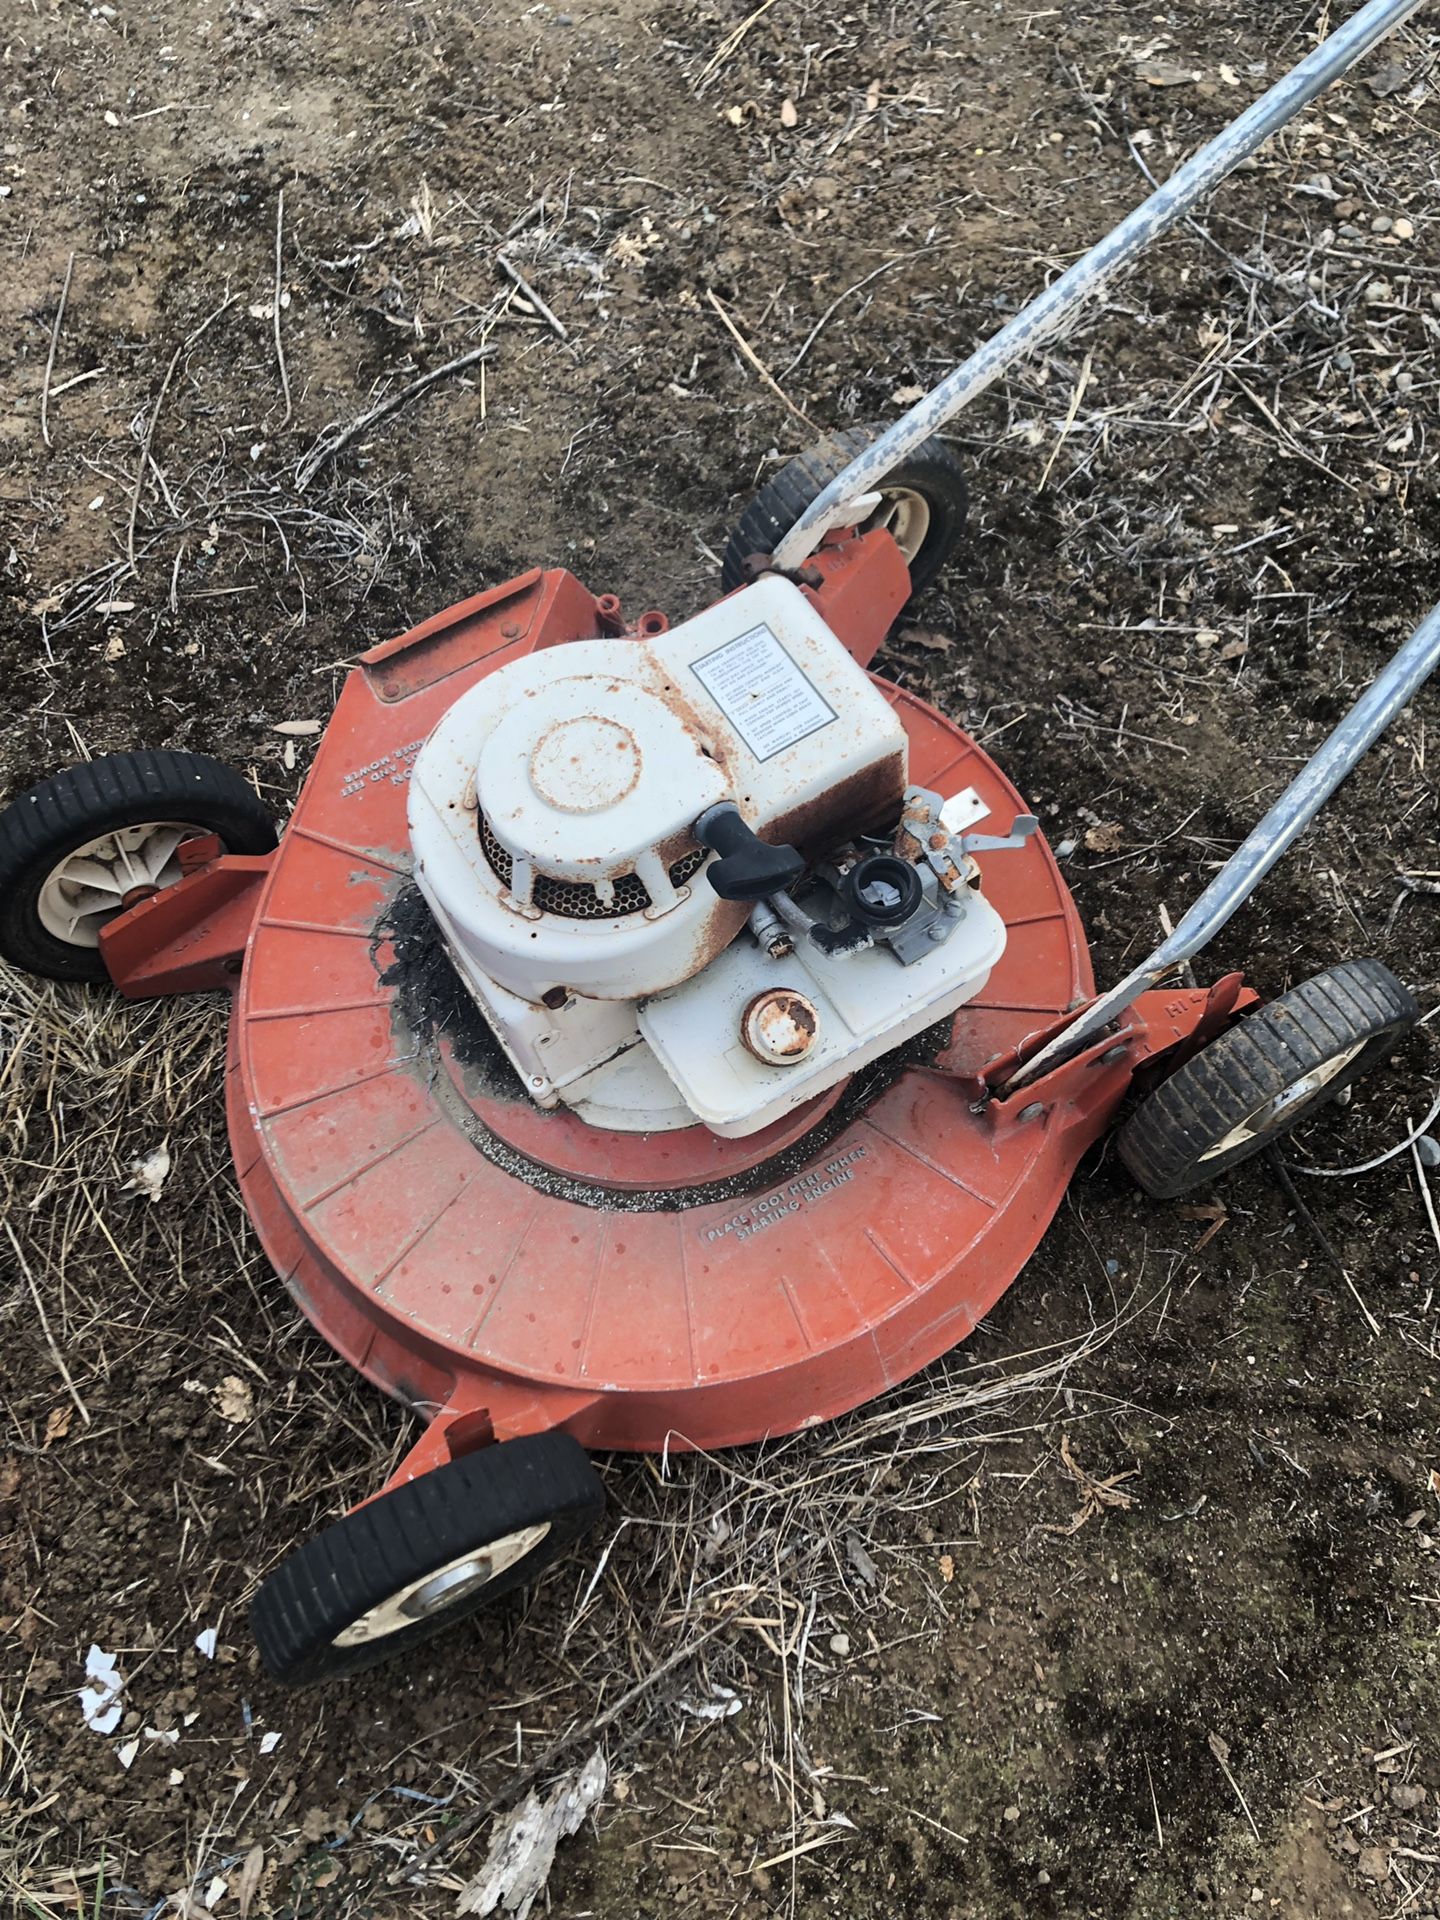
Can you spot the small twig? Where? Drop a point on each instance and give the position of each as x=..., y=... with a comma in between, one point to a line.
x=749, y=352
x=1154, y=1806
x=833, y=308
x=175, y=359
x=1070, y=412
x=1292, y=1192
x=732, y=40
x=326, y=449
x=55, y=1353
x=50, y=361
x=1425, y=1192
x=279, y=344
x=557, y=325
x=1222, y=1753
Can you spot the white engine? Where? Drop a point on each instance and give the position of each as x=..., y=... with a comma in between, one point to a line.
x=578, y=817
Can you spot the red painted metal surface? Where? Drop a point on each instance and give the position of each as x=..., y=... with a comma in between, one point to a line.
x=501, y=1301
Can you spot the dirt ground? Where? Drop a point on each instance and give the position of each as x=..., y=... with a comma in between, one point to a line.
x=909, y=1664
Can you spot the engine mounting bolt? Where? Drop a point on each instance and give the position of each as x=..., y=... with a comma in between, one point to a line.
x=1033, y=1111
x=780, y=1026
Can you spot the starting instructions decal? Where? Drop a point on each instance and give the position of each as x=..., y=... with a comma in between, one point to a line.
x=803, y=1191
x=762, y=693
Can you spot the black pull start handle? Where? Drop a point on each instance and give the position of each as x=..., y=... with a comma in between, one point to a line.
x=749, y=868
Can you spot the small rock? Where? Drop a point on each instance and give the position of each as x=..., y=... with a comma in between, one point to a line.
x=1382, y=223
x=1010, y=1816
x=1407, y=1795
x=1403, y=229
x=1428, y=1148
x=840, y=1643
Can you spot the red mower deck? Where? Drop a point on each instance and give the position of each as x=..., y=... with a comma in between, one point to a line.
x=505, y=1270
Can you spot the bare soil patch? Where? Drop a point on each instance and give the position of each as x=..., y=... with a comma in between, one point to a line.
x=944, y=1702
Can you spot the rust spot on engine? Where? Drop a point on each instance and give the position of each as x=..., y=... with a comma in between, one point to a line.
x=867, y=800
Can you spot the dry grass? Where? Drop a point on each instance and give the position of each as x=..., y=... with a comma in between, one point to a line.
x=1200, y=525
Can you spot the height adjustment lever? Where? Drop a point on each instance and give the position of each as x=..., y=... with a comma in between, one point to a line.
x=749, y=868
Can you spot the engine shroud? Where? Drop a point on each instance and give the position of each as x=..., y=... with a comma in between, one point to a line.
x=551, y=809
x=552, y=814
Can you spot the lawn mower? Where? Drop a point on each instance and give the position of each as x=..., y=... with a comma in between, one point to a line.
x=656, y=1036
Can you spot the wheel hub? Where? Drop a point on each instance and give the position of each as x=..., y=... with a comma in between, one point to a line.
x=446, y=1587
x=104, y=876
x=905, y=516
x=1284, y=1108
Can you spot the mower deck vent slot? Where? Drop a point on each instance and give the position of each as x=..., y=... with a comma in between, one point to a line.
x=572, y=899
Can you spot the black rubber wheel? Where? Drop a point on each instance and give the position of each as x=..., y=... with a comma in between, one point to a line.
x=423, y=1556
x=139, y=796
x=1257, y=1080
x=924, y=502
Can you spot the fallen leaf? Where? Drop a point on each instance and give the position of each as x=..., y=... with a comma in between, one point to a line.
x=149, y=1173
x=1220, y=1748
x=1096, y=1495
x=1108, y=837
x=1390, y=79
x=924, y=637
x=234, y=1402
x=865, y=1568
x=1233, y=650
x=57, y=1425
x=114, y=648
x=907, y=396
x=947, y=1567
x=10, y=1477
x=1165, y=73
